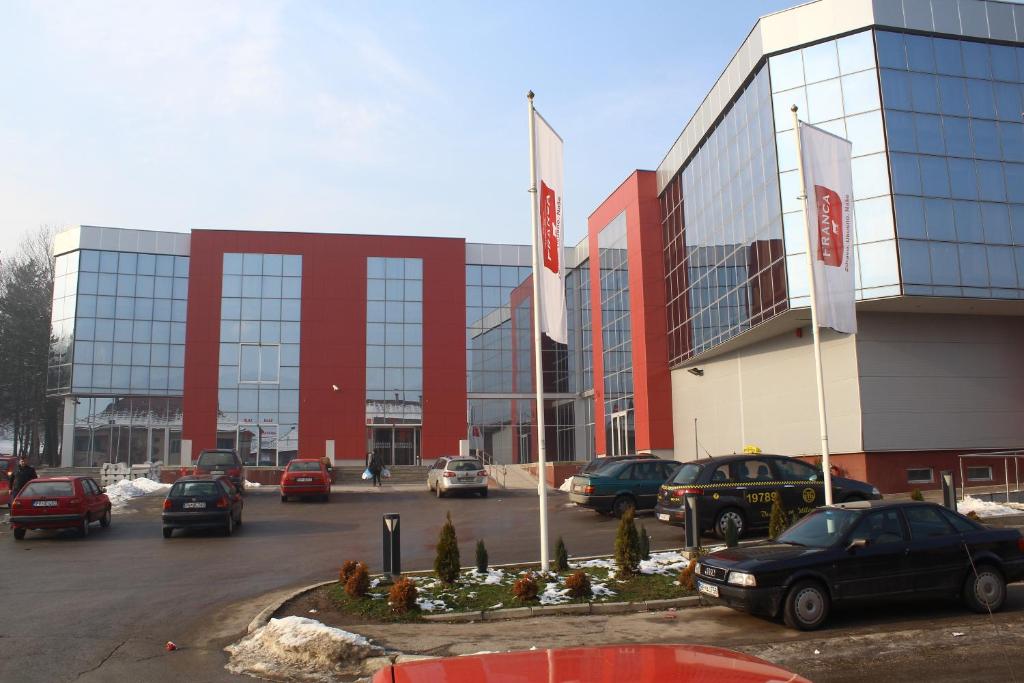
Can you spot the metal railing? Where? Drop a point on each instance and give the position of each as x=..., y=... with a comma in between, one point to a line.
x=1005, y=456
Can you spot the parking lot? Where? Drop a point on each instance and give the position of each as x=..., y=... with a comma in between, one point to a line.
x=113, y=600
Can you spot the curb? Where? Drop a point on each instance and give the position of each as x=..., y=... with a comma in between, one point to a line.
x=261, y=619
x=552, y=610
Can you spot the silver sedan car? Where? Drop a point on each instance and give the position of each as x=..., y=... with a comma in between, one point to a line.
x=452, y=473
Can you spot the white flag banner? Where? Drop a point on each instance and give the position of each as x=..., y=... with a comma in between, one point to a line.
x=551, y=282
x=828, y=186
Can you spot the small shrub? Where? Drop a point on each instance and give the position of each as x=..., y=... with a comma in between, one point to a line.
x=446, y=562
x=481, y=557
x=645, y=544
x=358, y=582
x=916, y=495
x=686, y=575
x=730, y=533
x=777, y=523
x=973, y=515
x=525, y=588
x=402, y=596
x=627, y=545
x=578, y=584
x=561, y=556
x=347, y=567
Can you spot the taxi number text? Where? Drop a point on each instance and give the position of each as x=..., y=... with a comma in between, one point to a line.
x=762, y=497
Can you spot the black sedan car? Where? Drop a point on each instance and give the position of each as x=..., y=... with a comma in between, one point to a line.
x=865, y=551
x=202, y=502
x=742, y=488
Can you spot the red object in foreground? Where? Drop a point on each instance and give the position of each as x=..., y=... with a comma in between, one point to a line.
x=170, y=646
x=306, y=477
x=634, y=663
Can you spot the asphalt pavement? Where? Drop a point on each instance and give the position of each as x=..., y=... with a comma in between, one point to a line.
x=102, y=608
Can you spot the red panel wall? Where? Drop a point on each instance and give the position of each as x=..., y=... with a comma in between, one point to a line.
x=333, y=336
x=638, y=197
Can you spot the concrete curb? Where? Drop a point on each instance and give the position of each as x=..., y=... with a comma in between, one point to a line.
x=267, y=612
x=553, y=610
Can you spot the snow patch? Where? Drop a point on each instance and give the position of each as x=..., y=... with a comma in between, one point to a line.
x=492, y=577
x=983, y=508
x=428, y=605
x=566, y=485
x=251, y=484
x=553, y=595
x=297, y=648
x=126, y=489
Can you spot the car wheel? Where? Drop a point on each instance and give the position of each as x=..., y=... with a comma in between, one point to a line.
x=168, y=531
x=483, y=493
x=284, y=498
x=438, y=491
x=83, y=528
x=985, y=589
x=722, y=520
x=807, y=605
x=105, y=519
x=19, y=534
x=230, y=527
x=621, y=504
x=326, y=498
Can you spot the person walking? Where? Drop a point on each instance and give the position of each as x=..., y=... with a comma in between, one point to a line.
x=22, y=475
x=376, y=467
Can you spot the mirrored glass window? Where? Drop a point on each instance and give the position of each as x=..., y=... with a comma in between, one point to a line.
x=394, y=341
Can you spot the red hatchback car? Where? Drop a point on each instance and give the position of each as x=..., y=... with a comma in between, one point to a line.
x=306, y=477
x=634, y=663
x=59, y=503
x=7, y=465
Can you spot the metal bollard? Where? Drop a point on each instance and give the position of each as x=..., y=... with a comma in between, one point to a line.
x=948, y=490
x=691, y=523
x=392, y=544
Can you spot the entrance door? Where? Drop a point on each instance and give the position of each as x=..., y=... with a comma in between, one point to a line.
x=396, y=445
x=621, y=443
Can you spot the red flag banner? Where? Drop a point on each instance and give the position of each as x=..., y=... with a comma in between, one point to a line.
x=551, y=279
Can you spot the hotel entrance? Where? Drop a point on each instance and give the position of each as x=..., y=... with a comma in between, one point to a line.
x=395, y=445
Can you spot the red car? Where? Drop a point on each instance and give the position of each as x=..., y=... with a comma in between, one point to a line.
x=306, y=477
x=7, y=465
x=59, y=503
x=634, y=663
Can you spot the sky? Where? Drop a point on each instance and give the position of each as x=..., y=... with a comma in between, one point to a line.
x=405, y=118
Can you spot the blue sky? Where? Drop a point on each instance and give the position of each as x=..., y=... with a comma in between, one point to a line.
x=388, y=118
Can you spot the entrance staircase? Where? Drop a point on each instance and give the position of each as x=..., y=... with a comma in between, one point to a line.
x=400, y=474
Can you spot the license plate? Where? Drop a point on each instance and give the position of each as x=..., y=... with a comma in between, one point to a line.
x=193, y=506
x=44, y=503
x=217, y=472
x=663, y=517
x=708, y=588
x=304, y=479
x=467, y=478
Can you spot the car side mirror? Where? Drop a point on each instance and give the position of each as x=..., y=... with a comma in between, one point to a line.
x=857, y=543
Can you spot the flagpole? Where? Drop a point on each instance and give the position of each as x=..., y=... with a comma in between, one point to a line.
x=542, y=478
x=822, y=422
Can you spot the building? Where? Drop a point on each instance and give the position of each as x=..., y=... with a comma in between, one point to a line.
x=281, y=343
x=931, y=94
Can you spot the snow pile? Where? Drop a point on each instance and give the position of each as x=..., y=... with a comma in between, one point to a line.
x=983, y=508
x=126, y=489
x=668, y=563
x=553, y=595
x=566, y=485
x=251, y=484
x=601, y=590
x=302, y=649
x=428, y=605
x=603, y=563
x=492, y=577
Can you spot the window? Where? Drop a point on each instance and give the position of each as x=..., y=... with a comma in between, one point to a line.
x=794, y=470
x=753, y=470
x=920, y=475
x=979, y=473
x=926, y=522
x=259, y=363
x=959, y=522
x=879, y=528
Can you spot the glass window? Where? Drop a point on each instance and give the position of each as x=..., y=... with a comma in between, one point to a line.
x=860, y=92
x=856, y=53
x=975, y=57
x=928, y=130
x=962, y=178
x=968, y=221
x=944, y=262
x=926, y=522
x=896, y=90
x=914, y=262
x=786, y=71
x=947, y=57
x=906, y=174
x=824, y=101
x=934, y=176
x=923, y=93
x=990, y=181
x=973, y=265
x=891, y=51
x=880, y=528
x=820, y=62
x=981, y=99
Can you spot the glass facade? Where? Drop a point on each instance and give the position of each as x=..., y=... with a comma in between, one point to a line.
x=953, y=115
x=394, y=340
x=835, y=86
x=722, y=225
x=616, y=334
x=122, y=323
x=258, y=380
x=128, y=429
x=489, y=326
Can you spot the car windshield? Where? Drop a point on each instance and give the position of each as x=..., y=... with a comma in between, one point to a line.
x=41, y=489
x=822, y=528
x=195, y=488
x=464, y=465
x=303, y=466
x=216, y=460
x=687, y=474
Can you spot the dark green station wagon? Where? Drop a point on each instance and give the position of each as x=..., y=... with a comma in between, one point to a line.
x=616, y=487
